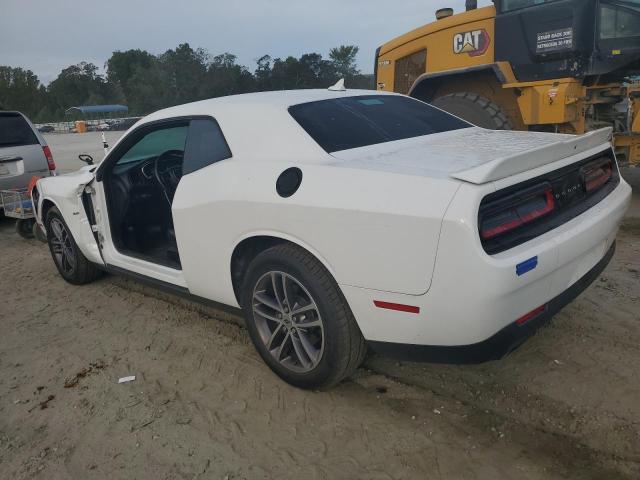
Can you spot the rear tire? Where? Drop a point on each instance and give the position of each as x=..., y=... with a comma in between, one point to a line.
x=24, y=228
x=315, y=348
x=72, y=265
x=476, y=109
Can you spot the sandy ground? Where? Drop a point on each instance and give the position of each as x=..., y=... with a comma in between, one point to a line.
x=203, y=405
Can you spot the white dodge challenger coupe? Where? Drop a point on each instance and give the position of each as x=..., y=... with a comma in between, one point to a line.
x=338, y=220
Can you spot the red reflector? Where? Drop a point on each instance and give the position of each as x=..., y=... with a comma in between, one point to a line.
x=596, y=175
x=526, y=211
x=531, y=315
x=396, y=306
x=47, y=153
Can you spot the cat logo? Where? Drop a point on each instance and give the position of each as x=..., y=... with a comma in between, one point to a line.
x=474, y=43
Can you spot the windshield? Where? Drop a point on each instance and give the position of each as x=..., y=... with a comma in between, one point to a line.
x=508, y=5
x=353, y=122
x=620, y=19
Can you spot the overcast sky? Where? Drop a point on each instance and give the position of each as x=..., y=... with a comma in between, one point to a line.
x=48, y=35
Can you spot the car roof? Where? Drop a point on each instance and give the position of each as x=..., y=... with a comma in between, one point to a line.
x=258, y=125
x=280, y=98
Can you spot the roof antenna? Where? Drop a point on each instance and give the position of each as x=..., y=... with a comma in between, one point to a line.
x=338, y=87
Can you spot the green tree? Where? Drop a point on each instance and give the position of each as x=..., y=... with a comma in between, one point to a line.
x=20, y=90
x=262, y=75
x=149, y=90
x=343, y=59
x=147, y=82
x=78, y=85
x=308, y=71
x=225, y=77
x=185, y=69
x=122, y=66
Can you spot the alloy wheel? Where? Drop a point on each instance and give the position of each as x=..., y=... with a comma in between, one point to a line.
x=288, y=321
x=62, y=247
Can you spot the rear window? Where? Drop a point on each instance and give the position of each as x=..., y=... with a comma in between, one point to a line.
x=353, y=122
x=15, y=131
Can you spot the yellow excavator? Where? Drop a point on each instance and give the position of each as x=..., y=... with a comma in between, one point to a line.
x=567, y=66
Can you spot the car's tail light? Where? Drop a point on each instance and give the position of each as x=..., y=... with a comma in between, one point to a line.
x=50, y=162
x=596, y=174
x=514, y=211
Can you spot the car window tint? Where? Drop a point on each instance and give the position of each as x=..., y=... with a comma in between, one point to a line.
x=352, y=122
x=205, y=145
x=15, y=131
x=508, y=5
x=156, y=143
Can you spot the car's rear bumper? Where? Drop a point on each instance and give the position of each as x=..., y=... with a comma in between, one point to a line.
x=503, y=342
x=475, y=296
x=21, y=181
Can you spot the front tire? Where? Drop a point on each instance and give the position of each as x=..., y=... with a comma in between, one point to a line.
x=476, y=109
x=298, y=319
x=72, y=265
x=38, y=233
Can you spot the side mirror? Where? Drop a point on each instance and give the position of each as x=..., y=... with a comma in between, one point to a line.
x=88, y=159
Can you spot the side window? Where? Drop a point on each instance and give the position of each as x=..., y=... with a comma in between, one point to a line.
x=156, y=143
x=205, y=145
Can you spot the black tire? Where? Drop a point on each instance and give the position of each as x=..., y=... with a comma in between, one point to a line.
x=38, y=233
x=476, y=109
x=82, y=271
x=343, y=348
x=24, y=228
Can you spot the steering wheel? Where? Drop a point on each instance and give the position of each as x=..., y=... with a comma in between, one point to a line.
x=169, y=184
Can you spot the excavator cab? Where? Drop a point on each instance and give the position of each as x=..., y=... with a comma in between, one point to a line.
x=548, y=39
x=566, y=66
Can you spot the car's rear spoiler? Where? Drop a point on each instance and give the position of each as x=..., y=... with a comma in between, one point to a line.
x=503, y=167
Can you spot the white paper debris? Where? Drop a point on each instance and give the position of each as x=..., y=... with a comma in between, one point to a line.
x=127, y=379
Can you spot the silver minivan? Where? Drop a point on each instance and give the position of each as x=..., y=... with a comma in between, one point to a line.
x=24, y=153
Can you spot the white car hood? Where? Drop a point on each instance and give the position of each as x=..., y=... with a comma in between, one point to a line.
x=68, y=185
x=474, y=155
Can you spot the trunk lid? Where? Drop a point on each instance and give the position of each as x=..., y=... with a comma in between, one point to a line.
x=15, y=161
x=473, y=155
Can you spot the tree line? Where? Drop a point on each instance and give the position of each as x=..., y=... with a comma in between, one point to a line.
x=147, y=82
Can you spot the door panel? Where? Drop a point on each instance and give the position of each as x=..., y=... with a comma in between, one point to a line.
x=113, y=257
x=206, y=153
x=132, y=200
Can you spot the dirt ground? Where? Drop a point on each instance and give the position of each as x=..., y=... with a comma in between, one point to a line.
x=204, y=406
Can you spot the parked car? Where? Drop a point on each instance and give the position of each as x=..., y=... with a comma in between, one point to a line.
x=24, y=152
x=341, y=219
x=46, y=129
x=123, y=124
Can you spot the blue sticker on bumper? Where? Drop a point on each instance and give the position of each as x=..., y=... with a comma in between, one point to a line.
x=526, y=266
